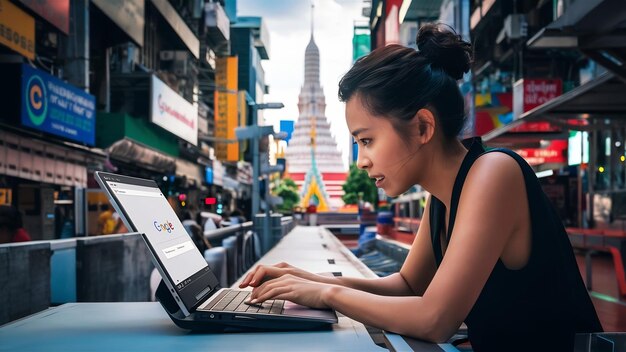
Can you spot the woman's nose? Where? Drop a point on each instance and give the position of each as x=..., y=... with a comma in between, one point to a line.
x=362, y=162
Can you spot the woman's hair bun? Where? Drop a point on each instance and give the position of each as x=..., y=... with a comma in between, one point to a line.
x=443, y=48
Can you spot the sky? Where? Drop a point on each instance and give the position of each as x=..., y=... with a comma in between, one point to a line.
x=289, y=24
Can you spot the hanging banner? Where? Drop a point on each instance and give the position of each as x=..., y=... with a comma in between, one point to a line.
x=53, y=106
x=226, y=116
x=17, y=29
x=242, y=110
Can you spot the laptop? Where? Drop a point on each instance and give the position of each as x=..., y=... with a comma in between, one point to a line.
x=185, y=273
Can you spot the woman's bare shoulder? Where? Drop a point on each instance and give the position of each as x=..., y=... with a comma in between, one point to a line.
x=495, y=167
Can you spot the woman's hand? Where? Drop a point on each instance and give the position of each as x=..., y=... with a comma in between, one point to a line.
x=295, y=289
x=267, y=272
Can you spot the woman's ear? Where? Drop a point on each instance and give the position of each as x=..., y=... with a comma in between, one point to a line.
x=425, y=121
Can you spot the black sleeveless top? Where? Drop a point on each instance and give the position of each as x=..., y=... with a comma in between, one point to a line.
x=539, y=307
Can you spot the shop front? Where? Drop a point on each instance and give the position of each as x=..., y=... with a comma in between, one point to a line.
x=45, y=149
x=595, y=110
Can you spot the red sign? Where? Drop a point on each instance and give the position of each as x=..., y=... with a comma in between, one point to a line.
x=556, y=152
x=56, y=12
x=540, y=91
x=531, y=93
x=535, y=127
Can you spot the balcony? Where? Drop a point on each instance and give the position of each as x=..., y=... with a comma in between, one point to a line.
x=216, y=22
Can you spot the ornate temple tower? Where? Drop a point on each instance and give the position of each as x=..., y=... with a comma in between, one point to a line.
x=313, y=160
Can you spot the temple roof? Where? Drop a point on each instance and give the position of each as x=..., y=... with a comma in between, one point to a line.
x=312, y=62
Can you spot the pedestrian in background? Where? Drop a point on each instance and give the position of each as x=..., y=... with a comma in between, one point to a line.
x=11, y=225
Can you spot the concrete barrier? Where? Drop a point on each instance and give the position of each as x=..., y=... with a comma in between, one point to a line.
x=114, y=268
x=24, y=279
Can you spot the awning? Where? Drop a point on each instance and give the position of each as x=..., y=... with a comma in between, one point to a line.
x=596, y=27
x=582, y=108
x=133, y=152
x=37, y=160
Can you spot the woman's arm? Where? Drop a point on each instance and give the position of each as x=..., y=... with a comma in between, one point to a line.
x=392, y=285
x=413, y=278
x=416, y=273
x=486, y=219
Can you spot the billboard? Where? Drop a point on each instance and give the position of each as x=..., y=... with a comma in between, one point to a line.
x=172, y=112
x=226, y=116
x=17, y=29
x=53, y=106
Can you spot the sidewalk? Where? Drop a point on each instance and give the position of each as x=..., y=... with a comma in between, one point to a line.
x=610, y=307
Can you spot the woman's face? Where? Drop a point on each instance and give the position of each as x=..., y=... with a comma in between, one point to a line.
x=383, y=153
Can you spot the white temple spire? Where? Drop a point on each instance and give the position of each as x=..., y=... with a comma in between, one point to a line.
x=312, y=17
x=313, y=159
x=312, y=58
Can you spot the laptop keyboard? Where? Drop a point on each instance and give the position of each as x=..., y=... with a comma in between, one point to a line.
x=233, y=301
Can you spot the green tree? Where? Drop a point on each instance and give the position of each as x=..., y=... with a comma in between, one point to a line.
x=288, y=190
x=358, y=182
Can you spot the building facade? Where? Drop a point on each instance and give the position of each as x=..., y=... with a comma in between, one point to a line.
x=119, y=86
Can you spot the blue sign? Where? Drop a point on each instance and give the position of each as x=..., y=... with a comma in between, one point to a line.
x=208, y=175
x=355, y=153
x=53, y=106
x=287, y=126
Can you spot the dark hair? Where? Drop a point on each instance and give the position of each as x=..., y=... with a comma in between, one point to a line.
x=398, y=81
x=10, y=217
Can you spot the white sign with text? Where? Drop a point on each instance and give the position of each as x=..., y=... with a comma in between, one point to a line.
x=172, y=112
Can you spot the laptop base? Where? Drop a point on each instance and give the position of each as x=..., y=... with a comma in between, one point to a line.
x=199, y=321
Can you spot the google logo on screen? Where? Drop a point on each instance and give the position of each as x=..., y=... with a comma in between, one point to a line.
x=166, y=226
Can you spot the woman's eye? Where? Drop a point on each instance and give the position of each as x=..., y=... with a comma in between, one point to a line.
x=363, y=141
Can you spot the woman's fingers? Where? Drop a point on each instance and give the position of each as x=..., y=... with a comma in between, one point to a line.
x=249, y=277
x=262, y=290
x=272, y=293
x=261, y=272
x=256, y=276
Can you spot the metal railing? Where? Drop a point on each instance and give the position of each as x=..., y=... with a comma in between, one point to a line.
x=223, y=232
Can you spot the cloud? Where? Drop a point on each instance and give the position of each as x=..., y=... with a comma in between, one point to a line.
x=289, y=24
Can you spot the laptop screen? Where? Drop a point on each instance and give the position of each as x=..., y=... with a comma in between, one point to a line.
x=147, y=211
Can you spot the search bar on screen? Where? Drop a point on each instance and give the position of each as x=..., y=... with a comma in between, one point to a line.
x=134, y=192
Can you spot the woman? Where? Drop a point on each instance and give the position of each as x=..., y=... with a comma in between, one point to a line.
x=506, y=269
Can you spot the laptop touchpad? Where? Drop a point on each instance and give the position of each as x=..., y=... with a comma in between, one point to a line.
x=294, y=309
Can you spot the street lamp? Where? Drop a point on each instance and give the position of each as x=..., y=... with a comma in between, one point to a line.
x=254, y=132
x=263, y=106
